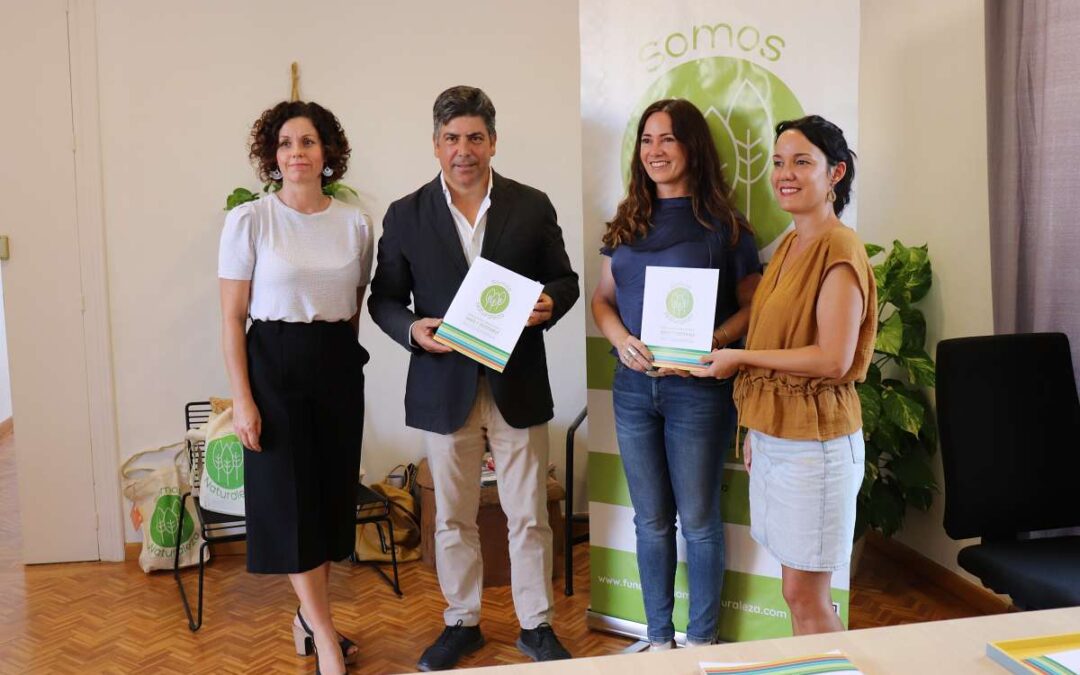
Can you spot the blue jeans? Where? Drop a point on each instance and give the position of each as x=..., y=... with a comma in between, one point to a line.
x=673, y=434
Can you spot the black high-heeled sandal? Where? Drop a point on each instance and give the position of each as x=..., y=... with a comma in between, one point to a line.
x=304, y=641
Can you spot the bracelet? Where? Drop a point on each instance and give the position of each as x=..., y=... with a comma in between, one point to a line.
x=727, y=338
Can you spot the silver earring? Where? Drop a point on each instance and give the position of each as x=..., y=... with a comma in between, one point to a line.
x=275, y=174
x=327, y=171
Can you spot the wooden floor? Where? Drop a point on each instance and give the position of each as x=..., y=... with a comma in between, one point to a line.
x=112, y=618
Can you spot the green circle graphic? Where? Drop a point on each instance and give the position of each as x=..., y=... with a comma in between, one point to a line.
x=742, y=102
x=680, y=302
x=225, y=462
x=163, y=522
x=495, y=299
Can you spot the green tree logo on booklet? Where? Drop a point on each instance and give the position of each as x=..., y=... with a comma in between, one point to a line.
x=495, y=299
x=163, y=524
x=225, y=462
x=742, y=102
x=680, y=302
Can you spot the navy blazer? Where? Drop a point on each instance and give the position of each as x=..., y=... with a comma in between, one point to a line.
x=421, y=262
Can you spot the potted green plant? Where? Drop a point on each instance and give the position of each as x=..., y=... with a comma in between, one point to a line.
x=900, y=431
x=240, y=195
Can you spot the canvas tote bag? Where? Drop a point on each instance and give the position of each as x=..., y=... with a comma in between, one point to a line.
x=370, y=547
x=155, y=498
x=221, y=483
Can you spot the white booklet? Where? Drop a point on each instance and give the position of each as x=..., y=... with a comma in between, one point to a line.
x=488, y=313
x=678, y=315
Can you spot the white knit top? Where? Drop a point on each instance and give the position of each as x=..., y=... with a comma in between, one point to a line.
x=302, y=267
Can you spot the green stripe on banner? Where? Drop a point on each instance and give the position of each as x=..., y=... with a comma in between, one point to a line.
x=606, y=480
x=752, y=606
x=735, y=497
x=607, y=485
x=599, y=363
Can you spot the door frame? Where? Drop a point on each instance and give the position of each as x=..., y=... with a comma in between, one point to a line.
x=97, y=335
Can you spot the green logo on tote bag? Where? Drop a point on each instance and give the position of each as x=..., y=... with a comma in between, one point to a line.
x=495, y=299
x=680, y=302
x=163, y=524
x=225, y=462
x=742, y=102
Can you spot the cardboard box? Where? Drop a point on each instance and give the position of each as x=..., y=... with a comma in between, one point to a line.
x=491, y=520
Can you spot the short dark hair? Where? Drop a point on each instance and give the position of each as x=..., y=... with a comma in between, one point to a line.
x=463, y=101
x=265, y=131
x=828, y=138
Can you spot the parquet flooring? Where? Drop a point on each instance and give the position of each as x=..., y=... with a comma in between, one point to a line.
x=112, y=618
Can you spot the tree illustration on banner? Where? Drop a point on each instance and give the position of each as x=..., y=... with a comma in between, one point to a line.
x=742, y=103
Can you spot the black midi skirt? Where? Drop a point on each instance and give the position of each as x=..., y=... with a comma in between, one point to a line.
x=307, y=380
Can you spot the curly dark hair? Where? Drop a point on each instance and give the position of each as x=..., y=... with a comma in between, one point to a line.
x=708, y=189
x=828, y=138
x=264, y=138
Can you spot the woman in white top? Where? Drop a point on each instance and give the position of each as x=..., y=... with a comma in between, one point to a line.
x=297, y=262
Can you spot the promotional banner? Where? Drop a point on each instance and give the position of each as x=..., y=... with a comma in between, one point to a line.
x=747, y=66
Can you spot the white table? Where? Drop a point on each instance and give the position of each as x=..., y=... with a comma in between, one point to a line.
x=957, y=646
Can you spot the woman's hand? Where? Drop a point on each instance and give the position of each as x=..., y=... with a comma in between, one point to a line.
x=747, y=451
x=634, y=354
x=723, y=363
x=247, y=423
x=678, y=372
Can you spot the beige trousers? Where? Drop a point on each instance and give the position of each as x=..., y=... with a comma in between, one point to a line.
x=521, y=458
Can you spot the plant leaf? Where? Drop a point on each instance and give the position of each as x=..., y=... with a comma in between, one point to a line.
x=912, y=470
x=890, y=337
x=873, y=376
x=873, y=249
x=914, y=329
x=239, y=196
x=886, y=508
x=337, y=189
x=870, y=400
x=917, y=273
x=904, y=412
x=910, y=276
x=920, y=368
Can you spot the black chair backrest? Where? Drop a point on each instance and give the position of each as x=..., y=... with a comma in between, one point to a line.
x=196, y=413
x=1009, y=422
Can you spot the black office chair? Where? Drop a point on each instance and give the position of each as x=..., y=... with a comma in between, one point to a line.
x=1009, y=421
x=216, y=528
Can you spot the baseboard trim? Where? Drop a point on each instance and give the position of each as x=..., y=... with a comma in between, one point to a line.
x=940, y=576
x=7, y=427
x=132, y=549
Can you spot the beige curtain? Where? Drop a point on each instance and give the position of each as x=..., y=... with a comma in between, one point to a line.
x=1033, y=124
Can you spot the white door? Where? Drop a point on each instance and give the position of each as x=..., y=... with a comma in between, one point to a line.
x=42, y=286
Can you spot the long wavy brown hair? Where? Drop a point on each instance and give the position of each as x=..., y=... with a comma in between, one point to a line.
x=708, y=189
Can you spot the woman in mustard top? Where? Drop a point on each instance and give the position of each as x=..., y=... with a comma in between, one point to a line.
x=812, y=327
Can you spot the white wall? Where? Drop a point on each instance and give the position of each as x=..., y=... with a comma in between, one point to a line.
x=922, y=175
x=180, y=86
x=5, y=370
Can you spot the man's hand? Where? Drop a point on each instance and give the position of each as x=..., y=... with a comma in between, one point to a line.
x=423, y=334
x=541, y=310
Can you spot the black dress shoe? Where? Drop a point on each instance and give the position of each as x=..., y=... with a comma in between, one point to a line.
x=540, y=644
x=456, y=641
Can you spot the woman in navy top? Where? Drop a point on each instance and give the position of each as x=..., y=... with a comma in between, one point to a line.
x=674, y=430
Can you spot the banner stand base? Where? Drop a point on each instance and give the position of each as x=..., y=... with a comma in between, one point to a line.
x=626, y=628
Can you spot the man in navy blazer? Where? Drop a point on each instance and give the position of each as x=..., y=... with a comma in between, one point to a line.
x=429, y=240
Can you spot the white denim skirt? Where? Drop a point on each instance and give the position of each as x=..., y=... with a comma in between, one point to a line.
x=802, y=498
